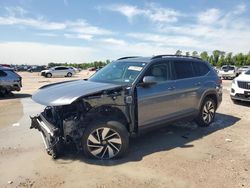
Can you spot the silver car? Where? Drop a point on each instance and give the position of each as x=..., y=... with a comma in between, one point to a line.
x=58, y=71
x=9, y=81
x=125, y=98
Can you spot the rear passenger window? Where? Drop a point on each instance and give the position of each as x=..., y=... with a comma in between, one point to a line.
x=2, y=73
x=183, y=69
x=200, y=69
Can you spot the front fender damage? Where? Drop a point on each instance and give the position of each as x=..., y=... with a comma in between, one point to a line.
x=63, y=126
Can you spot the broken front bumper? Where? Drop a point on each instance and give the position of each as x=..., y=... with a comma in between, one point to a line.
x=50, y=134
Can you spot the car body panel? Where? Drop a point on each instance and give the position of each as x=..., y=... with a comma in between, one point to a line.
x=240, y=89
x=157, y=97
x=11, y=81
x=66, y=93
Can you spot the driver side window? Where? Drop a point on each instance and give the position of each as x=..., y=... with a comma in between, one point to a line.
x=160, y=71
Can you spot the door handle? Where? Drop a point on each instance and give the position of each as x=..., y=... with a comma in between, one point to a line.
x=171, y=88
x=197, y=84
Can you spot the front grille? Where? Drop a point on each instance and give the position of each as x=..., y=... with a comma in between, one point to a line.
x=244, y=85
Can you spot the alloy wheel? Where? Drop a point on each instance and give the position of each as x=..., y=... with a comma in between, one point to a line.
x=208, y=112
x=104, y=143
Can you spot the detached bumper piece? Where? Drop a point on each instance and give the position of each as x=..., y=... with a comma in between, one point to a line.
x=50, y=134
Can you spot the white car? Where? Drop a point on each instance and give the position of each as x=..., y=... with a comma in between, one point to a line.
x=228, y=72
x=243, y=69
x=58, y=71
x=240, y=89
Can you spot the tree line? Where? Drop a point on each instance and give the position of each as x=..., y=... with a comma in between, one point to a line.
x=95, y=64
x=219, y=58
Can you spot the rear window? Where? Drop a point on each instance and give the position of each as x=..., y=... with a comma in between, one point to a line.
x=2, y=73
x=227, y=68
x=183, y=69
x=200, y=69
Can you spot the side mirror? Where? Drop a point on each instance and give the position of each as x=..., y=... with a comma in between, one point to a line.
x=148, y=80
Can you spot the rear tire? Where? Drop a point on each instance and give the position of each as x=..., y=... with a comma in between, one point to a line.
x=105, y=140
x=3, y=92
x=207, y=112
x=69, y=74
x=48, y=75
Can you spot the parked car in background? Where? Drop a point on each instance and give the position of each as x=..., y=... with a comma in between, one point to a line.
x=5, y=65
x=75, y=69
x=240, y=90
x=228, y=72
x=124, y=98
x=243, y=69
x=9, y=80
x=58, y=71
x=36, y=68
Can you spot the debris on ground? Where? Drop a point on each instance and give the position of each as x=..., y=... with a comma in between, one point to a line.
x=228, y=140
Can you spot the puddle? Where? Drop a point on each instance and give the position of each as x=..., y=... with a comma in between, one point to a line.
x=10, y=112
x=15, y=111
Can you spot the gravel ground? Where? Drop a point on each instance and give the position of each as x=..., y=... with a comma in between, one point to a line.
x=180, y=155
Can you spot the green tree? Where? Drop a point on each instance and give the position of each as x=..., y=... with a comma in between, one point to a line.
x=204, y=56
x=239, y=59
x=228, y=59
x=178, y=52
x=221, y=60
x=248, y=59
x=211, y=60
x=187, y=54
x=195, y=54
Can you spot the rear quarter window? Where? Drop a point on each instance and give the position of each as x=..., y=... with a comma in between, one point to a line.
x=200, y=69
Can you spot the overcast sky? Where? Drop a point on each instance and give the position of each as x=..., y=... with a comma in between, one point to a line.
x=39, y=32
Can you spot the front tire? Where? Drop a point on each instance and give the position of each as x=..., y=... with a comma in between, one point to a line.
x=69, y=74
x=207, y=112
x=48, y=75
x=105, y=140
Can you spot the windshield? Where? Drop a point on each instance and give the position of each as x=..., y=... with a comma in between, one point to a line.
x=118, y=72
x=247, y=72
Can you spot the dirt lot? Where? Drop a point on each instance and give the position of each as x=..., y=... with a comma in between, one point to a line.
x=180, y=155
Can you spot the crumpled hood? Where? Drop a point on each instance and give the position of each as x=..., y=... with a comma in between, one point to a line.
x=67, y=92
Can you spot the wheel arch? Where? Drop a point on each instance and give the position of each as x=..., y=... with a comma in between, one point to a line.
x=111, y=114
x=209, y=94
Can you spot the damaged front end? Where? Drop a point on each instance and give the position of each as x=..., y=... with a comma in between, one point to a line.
x=61, y=126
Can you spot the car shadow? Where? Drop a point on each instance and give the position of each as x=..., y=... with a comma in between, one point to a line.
x=242, y=103
x=169, y=137
x=15, y=96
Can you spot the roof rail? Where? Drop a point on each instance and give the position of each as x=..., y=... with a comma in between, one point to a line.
x=127, y=57
x=170, y=55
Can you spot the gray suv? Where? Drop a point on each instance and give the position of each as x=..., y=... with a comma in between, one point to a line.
x=124, y=98
x=9, y=81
